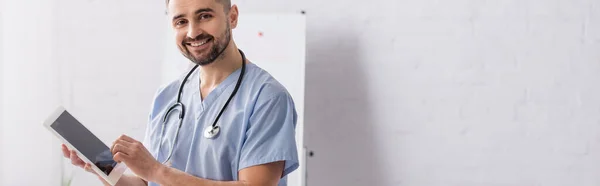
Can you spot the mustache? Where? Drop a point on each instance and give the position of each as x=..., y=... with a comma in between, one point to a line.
x=199, y=37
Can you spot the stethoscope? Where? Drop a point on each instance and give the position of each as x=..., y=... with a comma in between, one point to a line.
x=210, y=131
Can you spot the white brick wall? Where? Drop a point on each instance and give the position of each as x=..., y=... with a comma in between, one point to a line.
x=465, y=93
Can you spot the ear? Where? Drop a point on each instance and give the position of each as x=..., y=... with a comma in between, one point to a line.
x=233, y=16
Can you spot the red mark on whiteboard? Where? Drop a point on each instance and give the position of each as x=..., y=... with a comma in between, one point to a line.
x=260, y=34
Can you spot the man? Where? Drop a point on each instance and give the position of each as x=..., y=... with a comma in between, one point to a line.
x=252, y=142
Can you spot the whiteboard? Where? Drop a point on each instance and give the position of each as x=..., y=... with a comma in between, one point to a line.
x=274, y=42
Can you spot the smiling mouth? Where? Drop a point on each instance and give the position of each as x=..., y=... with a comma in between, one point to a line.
x=198, y=43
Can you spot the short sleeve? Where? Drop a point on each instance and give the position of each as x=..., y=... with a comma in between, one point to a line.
x=146, y=139
x=270, y=136
x=152, y=113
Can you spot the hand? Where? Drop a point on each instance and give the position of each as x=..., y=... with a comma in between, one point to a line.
x=75, y=160
x=136, y=157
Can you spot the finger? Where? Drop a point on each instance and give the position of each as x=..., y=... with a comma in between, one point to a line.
x=120, y=157
x=88, y=167
x=76, y=160
x=127, y=138
x=65, y=151
x=120, y=142
x=122, y=149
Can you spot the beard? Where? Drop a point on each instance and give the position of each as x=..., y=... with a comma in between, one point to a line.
x=218, y=47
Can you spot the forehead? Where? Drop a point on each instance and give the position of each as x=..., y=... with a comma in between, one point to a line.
x=189, y=6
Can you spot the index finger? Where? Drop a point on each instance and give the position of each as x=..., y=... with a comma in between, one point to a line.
x=123, y=137
x=126, y=138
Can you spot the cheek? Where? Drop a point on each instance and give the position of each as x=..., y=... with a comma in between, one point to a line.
x=217, y=36
x=215, y=30
x=179, y=37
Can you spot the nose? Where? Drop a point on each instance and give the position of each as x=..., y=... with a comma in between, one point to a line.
x=193, y=31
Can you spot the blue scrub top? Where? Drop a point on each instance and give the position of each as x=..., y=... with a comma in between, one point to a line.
x=257, y=127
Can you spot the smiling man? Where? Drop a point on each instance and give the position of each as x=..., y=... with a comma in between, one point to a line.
x=226, y=122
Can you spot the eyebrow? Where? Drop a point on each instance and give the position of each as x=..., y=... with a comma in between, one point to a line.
x=197, y=12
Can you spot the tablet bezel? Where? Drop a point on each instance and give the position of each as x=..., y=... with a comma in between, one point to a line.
x=114, y=175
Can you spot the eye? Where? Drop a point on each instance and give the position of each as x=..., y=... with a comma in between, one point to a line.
x=205, y=16
x=180, y=22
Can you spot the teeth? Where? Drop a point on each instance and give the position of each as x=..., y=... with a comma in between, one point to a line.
x=198, y=43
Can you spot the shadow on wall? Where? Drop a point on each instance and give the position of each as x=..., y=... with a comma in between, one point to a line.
x=338, y=125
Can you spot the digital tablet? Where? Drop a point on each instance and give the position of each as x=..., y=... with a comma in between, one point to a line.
x=88, y=147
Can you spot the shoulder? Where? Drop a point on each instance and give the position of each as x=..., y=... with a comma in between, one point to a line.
x=166, y=93
x=264, y=87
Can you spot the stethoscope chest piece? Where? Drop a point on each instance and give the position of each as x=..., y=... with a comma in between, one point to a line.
x=211, y=131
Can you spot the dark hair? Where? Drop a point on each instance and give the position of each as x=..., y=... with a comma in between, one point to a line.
x=226, y=4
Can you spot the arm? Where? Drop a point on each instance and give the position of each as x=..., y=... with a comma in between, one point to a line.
x=260, y=175
x=131, y=180
x=268, y=153
x=133, y=153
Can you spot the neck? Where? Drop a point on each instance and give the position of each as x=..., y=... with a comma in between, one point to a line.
x=213, y=74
